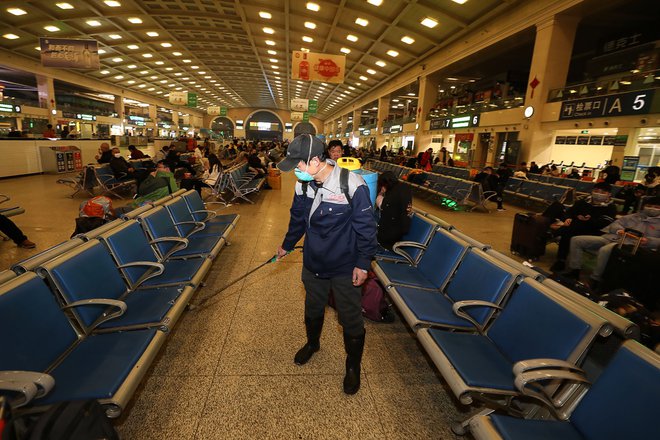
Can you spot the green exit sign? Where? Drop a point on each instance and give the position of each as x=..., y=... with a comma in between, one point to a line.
x=584, y=132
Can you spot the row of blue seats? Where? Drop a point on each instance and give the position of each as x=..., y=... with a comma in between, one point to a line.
x=242, y=182
x=531, y=191
x=489, y=325
x=461, y=173
x=463, y=192
x=85, y=319
x=580, y=186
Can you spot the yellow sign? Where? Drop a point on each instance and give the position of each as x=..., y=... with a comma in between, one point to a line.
x=309, y=66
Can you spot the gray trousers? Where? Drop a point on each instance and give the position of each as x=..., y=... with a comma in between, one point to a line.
x=348, y=300
x=582, y=243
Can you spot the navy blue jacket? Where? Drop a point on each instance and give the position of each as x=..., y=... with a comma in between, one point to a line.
x=338, y=236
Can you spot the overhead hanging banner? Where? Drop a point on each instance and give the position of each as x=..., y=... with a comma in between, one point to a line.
x=297, y=116
x=192, y=100
x=69, y=53
x=179, y=98
x=299, y=105
x=213, y=111
x=310, y=66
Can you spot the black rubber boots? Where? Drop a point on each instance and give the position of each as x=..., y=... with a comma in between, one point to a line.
x=313, y=328
x=354, y=347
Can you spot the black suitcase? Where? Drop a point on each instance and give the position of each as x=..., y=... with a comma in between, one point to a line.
x=633, y=269
x=529, y=236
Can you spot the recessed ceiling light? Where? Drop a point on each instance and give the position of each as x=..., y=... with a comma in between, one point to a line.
x=310, y=25
x=133, y=46
x=151, y=89
x=115, y=36
x=163, y=81
x=142, y=86
x=268, y=30
x=159, y=63
x=119, y=77
x=313, y=6
x=177, y=54
x=131, y=82
x=117, y=60
x=393, y=53
x=131, y=66
x=460, y=2
x=274, y=67
x=307, y=39
x=187, y=61
x=166, y=44
x=371, y=71
x=304, y=49
x=112, y=3
x=375, y=2
x=152, y=34
x=265, y=15
x=93, y=23
x=194, y=67
x=202, y=73
x=169, y=68
x=363, y=78
x=351, y=37
x=273, y=60
x=153, y=77
x=135, y=20
x=361, y=21
x=270, y=42
x=51, y=28
x=429, y=23
x=104, y=72
x=381, y=63
x=345, y=50
x=37, y=48
x=178, y=74
x=144, y=72
x=408, y=40
x=64, y=5
x=16, y=11
x=147, y=55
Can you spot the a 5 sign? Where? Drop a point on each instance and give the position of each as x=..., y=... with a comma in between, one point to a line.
x=621, y=104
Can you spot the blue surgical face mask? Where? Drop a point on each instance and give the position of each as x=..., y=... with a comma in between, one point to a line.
x=303, y=176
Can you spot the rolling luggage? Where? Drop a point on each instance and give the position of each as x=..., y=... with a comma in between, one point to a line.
x=633, y=269
x=529, y=235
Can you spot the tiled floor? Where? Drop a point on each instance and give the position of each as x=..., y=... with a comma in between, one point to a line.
x=227, y=372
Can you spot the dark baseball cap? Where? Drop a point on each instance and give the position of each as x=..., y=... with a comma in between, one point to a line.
x=303, y=147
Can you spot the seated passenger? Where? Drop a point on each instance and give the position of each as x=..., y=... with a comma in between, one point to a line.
x=255, y=164
x=12, y=231
x=135, y=153
x=554, y=171
x=335, y=149
x=490, y=182
x=156, y=185
x=574, y=174
x=105, y=154
x=533, y=168
x=585, y=217
x=647, y=222
x=122, y=169
x=394, y=201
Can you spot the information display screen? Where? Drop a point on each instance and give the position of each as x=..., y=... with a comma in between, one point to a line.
x=264, y=126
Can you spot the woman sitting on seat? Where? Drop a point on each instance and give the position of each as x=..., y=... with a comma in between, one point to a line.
x=394, y=201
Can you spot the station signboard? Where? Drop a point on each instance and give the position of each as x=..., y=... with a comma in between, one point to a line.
x=69, y=53
x=620, y=104
x=463, y=121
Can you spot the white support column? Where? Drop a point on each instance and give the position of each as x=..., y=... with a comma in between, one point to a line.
x=46, y=93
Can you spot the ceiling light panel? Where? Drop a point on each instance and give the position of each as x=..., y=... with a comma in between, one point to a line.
x=265, y=15
x=429, y=23
x=64, y=5
x=51, y=28
x=352, y=38
x=135, y=20
x=408, y=40
x=93, y=23
x=112, y=3
x=16, y=11
x=362, y=21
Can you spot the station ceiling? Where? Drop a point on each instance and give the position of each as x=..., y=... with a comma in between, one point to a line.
x=238, y=53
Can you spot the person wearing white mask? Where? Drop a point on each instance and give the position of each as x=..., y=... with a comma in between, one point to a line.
x=646, y=222
x=332, y=209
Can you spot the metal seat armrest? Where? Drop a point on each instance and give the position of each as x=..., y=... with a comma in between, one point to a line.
x=120, y=305
x=198, y=226
x=209, y=214
x=397, y=249
x=28, y=391
x=526, y=365
x=531, y=384
x=4, y=198
x=182, y=243
x=158, y=269
x=42, y=381
x=458, y=307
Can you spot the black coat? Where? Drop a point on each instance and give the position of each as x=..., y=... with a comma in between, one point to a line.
x=394, y=219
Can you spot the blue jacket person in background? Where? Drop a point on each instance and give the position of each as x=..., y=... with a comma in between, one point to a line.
x=340, y=242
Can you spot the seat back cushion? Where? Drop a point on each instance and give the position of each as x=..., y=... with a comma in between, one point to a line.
x=533, y=325
x=622, y=402
x=87, y=272
x=128, y=244
x=419, y=232
x=478, y=278
x=195, y=203
x=159, y=224
x=33, y=329
x=179, y=212
x=441, y=257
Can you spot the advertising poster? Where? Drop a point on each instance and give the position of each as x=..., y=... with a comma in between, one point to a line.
x=297, y=116
x=69, y=53
x=310, y=66
x=213, y=110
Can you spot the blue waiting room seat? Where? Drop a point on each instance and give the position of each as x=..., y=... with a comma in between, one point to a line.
x=621, y=404
x=37, y=337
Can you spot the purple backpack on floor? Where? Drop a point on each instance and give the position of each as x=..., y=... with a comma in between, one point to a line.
x=375, y=305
